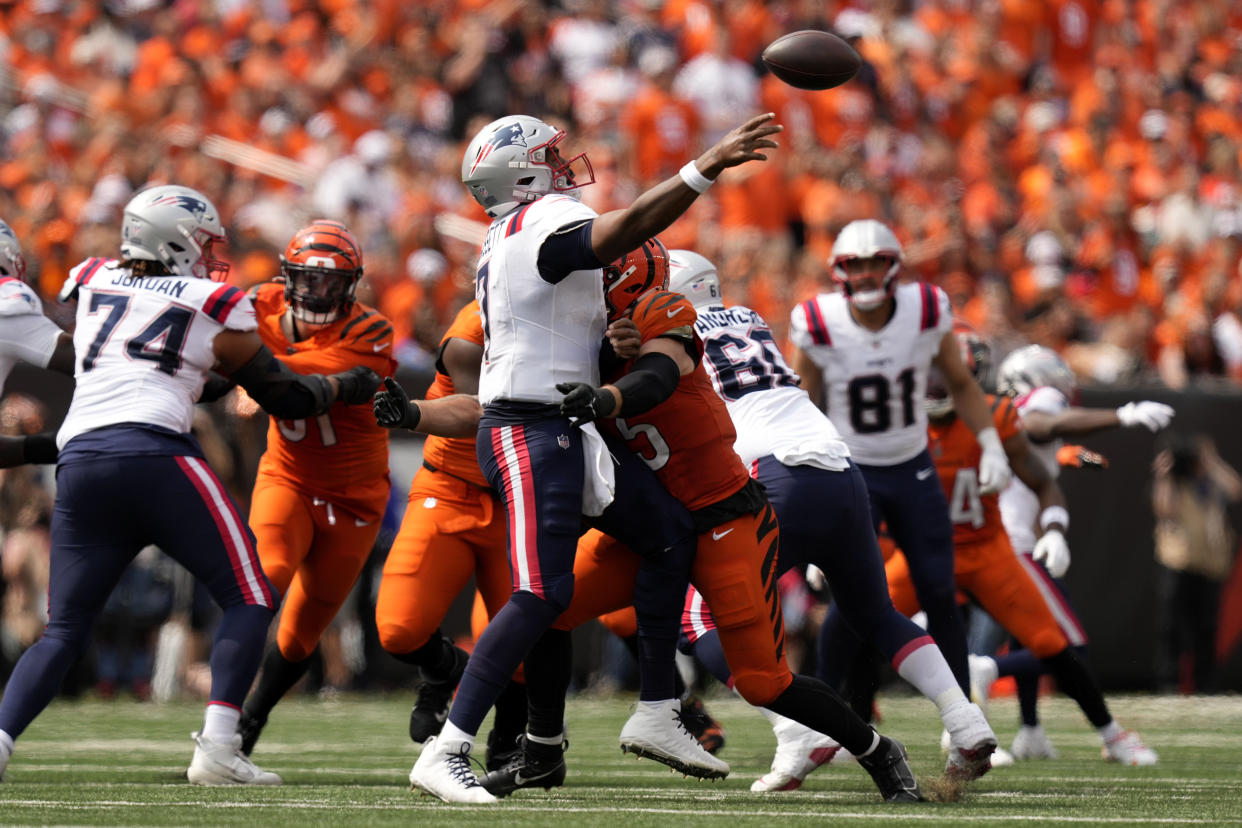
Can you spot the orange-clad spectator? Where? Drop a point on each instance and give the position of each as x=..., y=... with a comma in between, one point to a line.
x=662, y=129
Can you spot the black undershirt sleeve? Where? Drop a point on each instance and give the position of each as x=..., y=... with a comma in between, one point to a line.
x=567, y=250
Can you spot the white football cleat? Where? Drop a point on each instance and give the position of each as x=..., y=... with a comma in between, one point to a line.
x=983, y=673
x=1032, y=742
x=1002, y=758
x=444, y=771
x=223, y=763
x=799, y=750
x=655, y=731
x=5, y=753
x=971, y=741
x=1128, y=749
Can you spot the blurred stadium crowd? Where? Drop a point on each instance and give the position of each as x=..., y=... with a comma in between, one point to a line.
x=1067, y=169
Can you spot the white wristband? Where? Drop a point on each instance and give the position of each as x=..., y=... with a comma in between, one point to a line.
x=989, y=440
x=694, y=179
x=1054, y=514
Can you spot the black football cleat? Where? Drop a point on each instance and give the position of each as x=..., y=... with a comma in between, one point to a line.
x=432, y=705
x=890, y=770
x=702, y=726
x=501, y=750
x=534, y=766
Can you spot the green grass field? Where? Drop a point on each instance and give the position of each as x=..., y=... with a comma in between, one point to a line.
x=345, y=761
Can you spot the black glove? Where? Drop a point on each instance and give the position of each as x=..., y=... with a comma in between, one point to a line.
x=357, y=385
x=40, y=448
x=393, y=408
x=584, y=402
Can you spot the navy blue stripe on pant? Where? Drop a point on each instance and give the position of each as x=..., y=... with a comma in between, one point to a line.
x=107, y=509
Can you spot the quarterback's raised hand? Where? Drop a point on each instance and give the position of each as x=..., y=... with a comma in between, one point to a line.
x=584, y=402
x=393, y=408
x=1152, y=416
x=356, y=385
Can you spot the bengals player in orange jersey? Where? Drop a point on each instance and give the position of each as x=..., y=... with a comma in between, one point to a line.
x=688, y=441
x=986, y=567
x=454, y=527
x=322, y=484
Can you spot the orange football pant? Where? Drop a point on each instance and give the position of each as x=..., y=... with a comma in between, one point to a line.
x=734, y=568
x=991, y=573
x=451, y=530
x=312, y=551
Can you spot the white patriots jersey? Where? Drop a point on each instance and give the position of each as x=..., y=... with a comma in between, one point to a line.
x=1019, y=505
x=875, y=380
x=26, y=335
x=143, y=345
x=743, y=359
x=535, y=333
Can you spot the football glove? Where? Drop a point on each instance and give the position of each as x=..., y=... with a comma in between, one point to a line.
x=1152, y=416
x=393, y=408
x=994, y=472
x=356, y=385
x=1053, y=552
x=1081, y=457
x=584, y=402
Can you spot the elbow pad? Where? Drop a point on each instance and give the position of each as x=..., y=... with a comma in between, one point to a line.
x=281, y=392
x=651, y=381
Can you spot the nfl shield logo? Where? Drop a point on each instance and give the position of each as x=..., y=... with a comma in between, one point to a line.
x=562, y=440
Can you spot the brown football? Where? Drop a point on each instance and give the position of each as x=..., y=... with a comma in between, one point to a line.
x=812, y=59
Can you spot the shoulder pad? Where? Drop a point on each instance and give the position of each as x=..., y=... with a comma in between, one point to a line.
x=18, y=299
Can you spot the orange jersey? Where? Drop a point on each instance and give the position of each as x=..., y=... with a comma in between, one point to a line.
x=340, y=456
x=956, y=452
x=687, y=439
x=456, y=455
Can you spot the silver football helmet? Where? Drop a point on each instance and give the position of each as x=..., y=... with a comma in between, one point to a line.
x=514, y=160
x=177, y=226
x=12, y=262
x=1035, y=367
x=866, y=239
x=694, y=277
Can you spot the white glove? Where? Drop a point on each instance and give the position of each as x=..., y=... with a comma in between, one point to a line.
x=815, y=577
x=1151, y=415
x=1053, y=552
x=994, y=472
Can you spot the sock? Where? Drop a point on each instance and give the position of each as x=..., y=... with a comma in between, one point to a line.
x=220, y=723
x=875, y=743
x=1110, y=731
x=708, y=650
x=1075, y=680
x=453, y=738
x=276, y=677
x=1028, y=698
x=659, y=595
x=547, y=740
x=237, y=651
x=548, y=671
x=814, y=704
x=924, y=667
x=511, y=717
x=500, y=649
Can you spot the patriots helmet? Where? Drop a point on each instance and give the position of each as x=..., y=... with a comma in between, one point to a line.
x=515, y=160
x=1035, y=367
x=177, y=226
x=12, y=262
x=864, y=240
x=694, y=277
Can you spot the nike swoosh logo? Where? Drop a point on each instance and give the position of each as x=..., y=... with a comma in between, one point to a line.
x=923, y=474
x=379, y=347
x=360, y=522
x=719, y=535
x=674, y=311
x=518, y=779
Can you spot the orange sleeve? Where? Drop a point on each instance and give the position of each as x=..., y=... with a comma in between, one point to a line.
x=664, y=313
x=1005, y=416
x=467, y=325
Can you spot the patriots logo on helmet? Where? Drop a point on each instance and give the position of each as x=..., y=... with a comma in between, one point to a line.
x=510, y=136
x=185, y=202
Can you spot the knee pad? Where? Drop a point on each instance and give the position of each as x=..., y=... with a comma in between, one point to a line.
x=761, y=688
x=1047, y=642
x=398, y=638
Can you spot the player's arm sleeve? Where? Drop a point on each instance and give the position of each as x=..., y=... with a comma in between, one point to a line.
x=566, y=250
x=652, y=380
x=280, y=391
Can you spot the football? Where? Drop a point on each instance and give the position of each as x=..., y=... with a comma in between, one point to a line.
x=812, y=59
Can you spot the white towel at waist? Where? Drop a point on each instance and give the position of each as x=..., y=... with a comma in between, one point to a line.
x=599, y=484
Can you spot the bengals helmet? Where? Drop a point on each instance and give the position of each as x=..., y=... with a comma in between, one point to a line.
x=635, y=273
x=321, y=267
x=976, y=353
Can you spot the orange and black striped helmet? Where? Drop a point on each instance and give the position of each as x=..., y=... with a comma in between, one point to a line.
x=634, y=274
x=321, y=266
